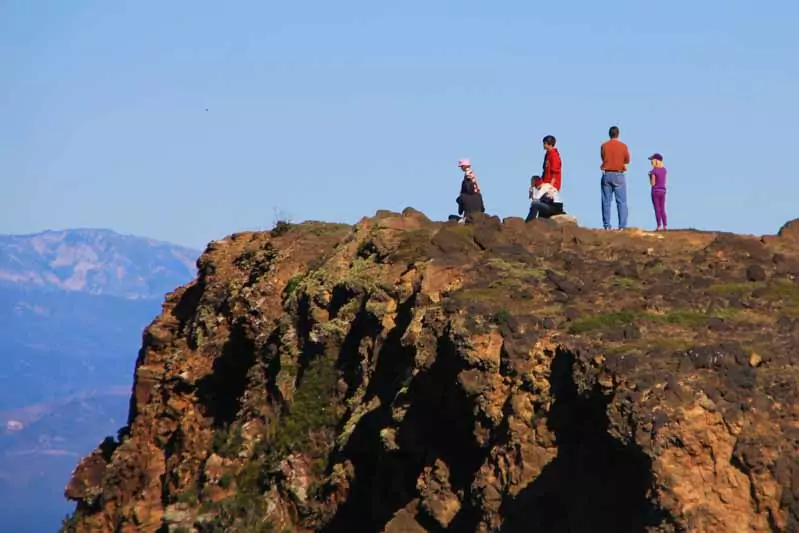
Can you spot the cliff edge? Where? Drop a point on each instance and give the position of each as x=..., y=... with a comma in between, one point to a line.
x=403, y=375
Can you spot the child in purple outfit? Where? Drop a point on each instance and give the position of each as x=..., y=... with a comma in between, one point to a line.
x=657, y=179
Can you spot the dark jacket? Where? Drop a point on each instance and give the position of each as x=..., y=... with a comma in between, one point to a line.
x=469, y=187
x=470, y=203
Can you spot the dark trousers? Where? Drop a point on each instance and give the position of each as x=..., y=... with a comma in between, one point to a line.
x=539, y=209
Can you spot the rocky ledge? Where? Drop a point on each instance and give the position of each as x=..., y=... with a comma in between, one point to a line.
x=403, y=375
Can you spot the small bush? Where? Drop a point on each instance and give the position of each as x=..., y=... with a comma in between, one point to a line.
x=226, y=480
x=501, y=317
x=292, y=285
x=227, y=442
x=281, y=228
x=189, y=496
x=310, y=411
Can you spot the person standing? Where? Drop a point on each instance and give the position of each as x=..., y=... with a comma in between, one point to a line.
x=553, y=166
x=657, y=179
x=615, y=158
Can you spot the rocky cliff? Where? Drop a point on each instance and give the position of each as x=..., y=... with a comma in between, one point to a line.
x=403, y=375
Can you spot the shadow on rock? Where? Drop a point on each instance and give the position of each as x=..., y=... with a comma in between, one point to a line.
x=596, y=483
x=436, y=425
x=220, y=392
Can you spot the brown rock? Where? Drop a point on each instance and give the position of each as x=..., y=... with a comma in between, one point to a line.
x=756, y=273
x=790, y=231
x=408, y=375
x=438, y=501
x=404, y=522
x=86, y=482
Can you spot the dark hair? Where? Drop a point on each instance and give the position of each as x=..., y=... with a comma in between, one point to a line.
x=550, y=140
x=613, y=132
x=534, y=179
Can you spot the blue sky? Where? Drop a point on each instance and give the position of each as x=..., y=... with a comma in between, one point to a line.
x=332, y=110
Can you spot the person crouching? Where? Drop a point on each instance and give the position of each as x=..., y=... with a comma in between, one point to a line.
x=545, y=199
x=470, y=199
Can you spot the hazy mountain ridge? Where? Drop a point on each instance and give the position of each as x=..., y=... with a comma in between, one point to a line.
x=94, y=261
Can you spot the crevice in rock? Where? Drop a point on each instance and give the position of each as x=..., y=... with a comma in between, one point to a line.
x=438, y=424
x=596, y=483
x=384, y=481
x=220, y=392
x=445, y=420
x=479, y=244
x=441, y=416
x=309, y=350
x=271, y=368
x=394, y=362
x=339, y=297
x=186, y=307
x=349, y=360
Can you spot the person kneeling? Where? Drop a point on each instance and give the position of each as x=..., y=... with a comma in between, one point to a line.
x=470, y=201
x=545, y=200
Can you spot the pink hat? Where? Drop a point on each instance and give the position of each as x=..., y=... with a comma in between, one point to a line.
x=464, y=163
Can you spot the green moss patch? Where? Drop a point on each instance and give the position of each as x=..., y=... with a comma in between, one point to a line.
x=603, y=321
x=627, y=284
x=227, y=441
x=679, y=317
x=665, y=344
x=734, y=289
x=292, y=285
x=516, y=269
x=490, y=294
x=782, y=293
x=312, y=410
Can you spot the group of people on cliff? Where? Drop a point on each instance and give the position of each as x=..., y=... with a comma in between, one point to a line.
x=544, y=192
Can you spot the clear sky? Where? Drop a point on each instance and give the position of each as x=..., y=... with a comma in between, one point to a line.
x=189, y=120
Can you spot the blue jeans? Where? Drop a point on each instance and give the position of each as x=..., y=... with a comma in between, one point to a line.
x=614, y=184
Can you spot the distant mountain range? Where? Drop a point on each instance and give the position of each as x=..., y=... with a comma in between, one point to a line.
x=73, y=305
x=96, y=262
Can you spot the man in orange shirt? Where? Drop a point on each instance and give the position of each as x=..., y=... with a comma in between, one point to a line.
x=615, y=158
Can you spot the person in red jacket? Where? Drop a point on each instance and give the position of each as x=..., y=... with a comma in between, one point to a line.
x=553, y=167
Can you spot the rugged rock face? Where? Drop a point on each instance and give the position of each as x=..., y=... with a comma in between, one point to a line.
x=409, y=376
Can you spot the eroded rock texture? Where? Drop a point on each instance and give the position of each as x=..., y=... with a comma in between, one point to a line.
x=409, y=376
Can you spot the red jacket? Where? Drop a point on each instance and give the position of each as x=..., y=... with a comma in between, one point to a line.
x=552, y=168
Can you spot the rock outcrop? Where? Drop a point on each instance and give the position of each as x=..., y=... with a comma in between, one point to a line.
x=403, y=375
